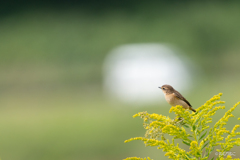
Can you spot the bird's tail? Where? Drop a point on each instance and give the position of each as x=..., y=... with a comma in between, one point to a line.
x=192, y=109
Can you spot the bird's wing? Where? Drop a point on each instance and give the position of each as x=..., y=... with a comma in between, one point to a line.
x=178, y=95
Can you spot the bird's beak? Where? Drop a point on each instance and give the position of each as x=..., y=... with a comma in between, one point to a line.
x=160, y=87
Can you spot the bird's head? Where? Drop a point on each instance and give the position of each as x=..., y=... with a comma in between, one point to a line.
x=167, y=89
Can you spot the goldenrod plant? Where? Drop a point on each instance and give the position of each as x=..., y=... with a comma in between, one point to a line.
x=193, y=130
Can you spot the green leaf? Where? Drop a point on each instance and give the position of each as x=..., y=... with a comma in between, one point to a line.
x=211, y=151
x=198, y=154
x=186, y=126
x=186, y=142
x=197, y=121
x=203, y=135
x=205, y=145
x=198, y=132
x=189, y=156
x=194, y=127
x=208, y=157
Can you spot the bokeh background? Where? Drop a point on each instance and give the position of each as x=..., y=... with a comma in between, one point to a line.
x=52, y=103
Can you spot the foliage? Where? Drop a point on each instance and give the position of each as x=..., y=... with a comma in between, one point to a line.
x=192, y=129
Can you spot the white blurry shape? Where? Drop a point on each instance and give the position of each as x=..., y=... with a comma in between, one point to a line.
x=133, y=73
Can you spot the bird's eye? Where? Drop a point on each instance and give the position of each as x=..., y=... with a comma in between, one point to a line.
x=163, y=88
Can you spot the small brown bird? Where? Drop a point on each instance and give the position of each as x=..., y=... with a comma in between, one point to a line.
x=174, y=98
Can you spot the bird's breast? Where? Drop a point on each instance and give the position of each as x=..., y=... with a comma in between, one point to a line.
x=173, y=101
x=170, y=99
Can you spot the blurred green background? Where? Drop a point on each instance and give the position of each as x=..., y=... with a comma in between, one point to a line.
x=51, y=101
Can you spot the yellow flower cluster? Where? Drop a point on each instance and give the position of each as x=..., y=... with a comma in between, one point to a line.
x=137, y=158
x=229, y=158
x=192, y=129
x=195, y=149
x=216, y=134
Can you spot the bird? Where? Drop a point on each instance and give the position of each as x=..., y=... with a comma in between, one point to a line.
x=174, y=98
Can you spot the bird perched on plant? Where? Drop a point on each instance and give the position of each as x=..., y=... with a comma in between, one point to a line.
x=174, y=98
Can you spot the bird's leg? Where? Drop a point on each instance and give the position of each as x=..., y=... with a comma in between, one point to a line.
x=179, y=119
